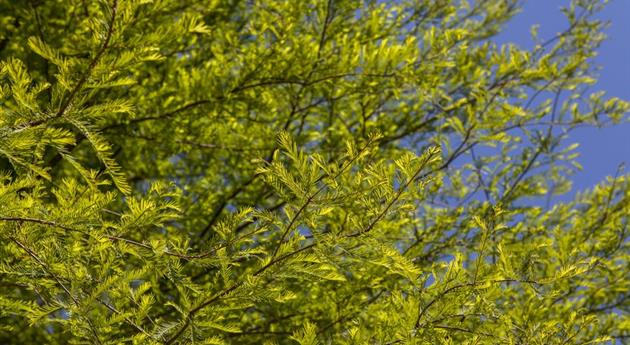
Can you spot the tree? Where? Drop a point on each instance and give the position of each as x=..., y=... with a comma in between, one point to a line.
x=302, y=172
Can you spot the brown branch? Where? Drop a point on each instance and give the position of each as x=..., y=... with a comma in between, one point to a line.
x=463, y=285
x=35, y=257
x=73, y=93
x=110, y=237
x=36, y=220
x=160, y=116
x=343, y=168
x=459, y=329
x=327, y=20
x=127, y=320
x=228, y=290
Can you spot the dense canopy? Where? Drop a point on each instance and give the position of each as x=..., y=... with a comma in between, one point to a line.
x=303, y=172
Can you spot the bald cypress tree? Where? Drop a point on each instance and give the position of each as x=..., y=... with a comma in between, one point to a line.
x=302, y=172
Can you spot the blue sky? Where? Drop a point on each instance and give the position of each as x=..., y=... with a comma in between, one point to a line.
x=601, y=150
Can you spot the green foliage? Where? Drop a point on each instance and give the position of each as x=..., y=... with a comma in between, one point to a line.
x=302, y=172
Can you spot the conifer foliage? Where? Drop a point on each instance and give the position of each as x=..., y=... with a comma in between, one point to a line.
x=303, y=172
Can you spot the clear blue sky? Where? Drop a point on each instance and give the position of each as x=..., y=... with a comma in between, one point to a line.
x=601, y=150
